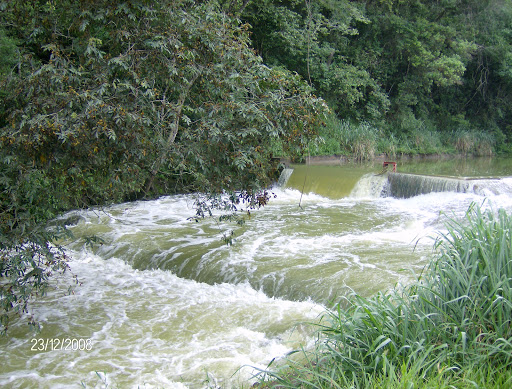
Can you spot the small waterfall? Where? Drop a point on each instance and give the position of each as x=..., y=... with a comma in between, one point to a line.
x=284, y=177
x=403, y=185
x=398, y=185
x=371, y=185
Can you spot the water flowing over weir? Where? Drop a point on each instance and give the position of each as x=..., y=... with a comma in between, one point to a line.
x=165, y=303
x=402, y=185
x=406, y=185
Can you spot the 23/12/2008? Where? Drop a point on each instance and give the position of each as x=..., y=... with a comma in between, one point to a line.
x=64, y=344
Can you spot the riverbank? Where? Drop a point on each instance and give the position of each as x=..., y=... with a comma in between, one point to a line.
x=344, y=159
x=344, y=141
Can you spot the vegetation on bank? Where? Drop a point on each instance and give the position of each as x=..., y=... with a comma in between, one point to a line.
x=364, y=141
x=450, y=328
x=412, y=69
x=109, y=101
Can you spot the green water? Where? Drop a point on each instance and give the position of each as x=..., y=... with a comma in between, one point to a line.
x=338, y=181
x=334, y=182
x=166, y=304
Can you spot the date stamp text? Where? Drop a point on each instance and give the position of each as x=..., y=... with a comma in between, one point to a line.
x=64, y=344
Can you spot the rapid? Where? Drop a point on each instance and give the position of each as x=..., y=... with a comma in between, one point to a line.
x=165, y=303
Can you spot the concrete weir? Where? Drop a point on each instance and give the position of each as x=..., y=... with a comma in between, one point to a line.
x=405, y=185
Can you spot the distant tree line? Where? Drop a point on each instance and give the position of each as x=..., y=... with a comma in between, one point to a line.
x=402, y=65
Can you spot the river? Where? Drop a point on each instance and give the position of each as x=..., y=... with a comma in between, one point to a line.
x=165, y=303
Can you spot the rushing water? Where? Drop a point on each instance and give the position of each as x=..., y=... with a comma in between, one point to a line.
x=164, y=303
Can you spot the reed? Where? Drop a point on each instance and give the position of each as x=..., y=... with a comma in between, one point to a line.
x=452, y=327
x=342, y=137
x=480, y=143
x=425, y=141
x=390, y=145
x=360, y=140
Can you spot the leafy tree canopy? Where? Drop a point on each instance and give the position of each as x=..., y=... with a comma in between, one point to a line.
x=402, y=65
x=106, y=101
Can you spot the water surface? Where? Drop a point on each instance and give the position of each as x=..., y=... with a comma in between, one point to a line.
x=165, y=303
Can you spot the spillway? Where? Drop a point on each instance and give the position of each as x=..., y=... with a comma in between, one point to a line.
x=349, y=181
x=402, y=185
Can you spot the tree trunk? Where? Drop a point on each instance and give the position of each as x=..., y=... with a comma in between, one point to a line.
x=174, y=132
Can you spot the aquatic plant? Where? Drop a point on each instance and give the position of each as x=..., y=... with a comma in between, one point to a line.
x=451, y=326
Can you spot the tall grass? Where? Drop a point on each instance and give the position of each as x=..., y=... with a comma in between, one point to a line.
x=452, y=327
x=362, y=141
x=359, y=140
x=480, y=143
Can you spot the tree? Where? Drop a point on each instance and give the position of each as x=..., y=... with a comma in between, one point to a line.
x=313, y=38
x=486, y=92
x=402, y=65
x=118, y=100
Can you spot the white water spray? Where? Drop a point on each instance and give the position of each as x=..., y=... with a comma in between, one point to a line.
x=166, y=304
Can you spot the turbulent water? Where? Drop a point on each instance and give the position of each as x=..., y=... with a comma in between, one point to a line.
x=165, y=303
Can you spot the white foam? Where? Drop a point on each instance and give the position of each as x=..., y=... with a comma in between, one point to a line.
x=153, y=328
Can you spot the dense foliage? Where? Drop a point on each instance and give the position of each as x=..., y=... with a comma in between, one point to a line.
x=409, y=68
x=106, y=101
